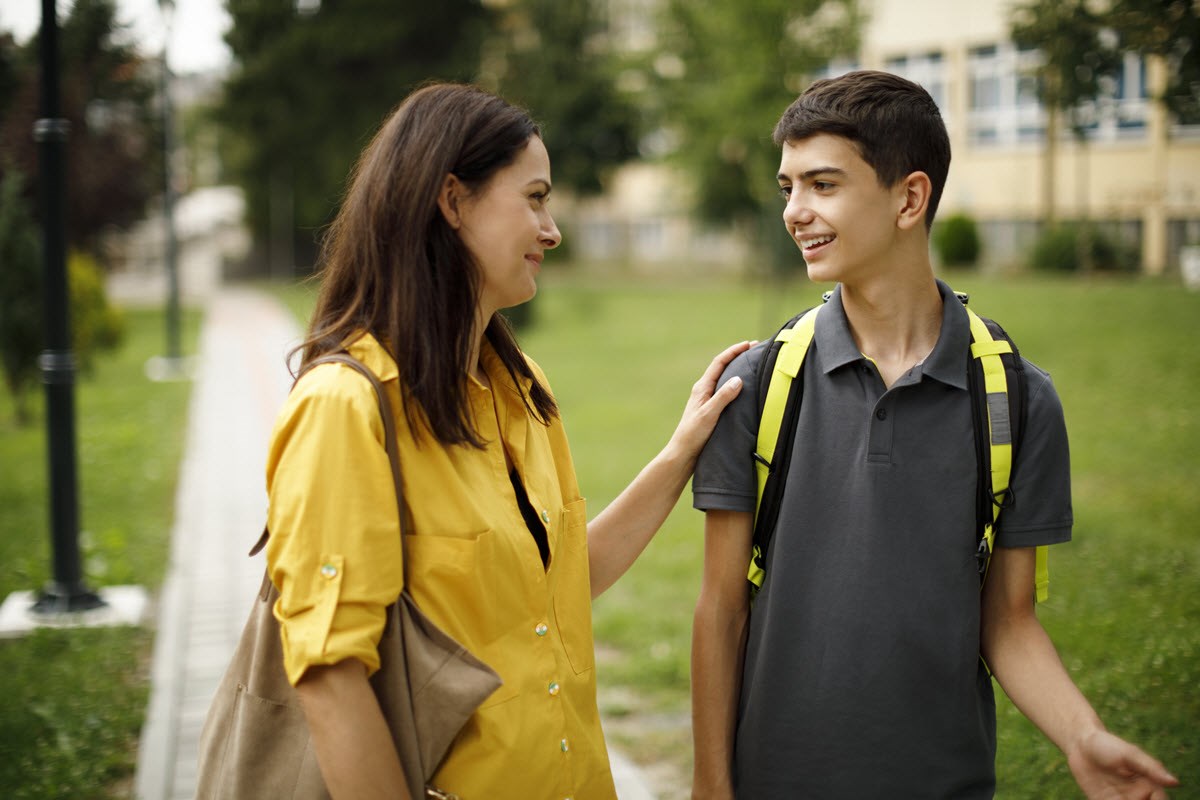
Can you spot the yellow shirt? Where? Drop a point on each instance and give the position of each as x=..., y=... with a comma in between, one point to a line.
x=334, y=553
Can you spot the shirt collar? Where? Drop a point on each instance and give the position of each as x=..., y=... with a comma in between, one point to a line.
x=367, y=349
x=947, y=362
x=498, y=375
x=838, y=348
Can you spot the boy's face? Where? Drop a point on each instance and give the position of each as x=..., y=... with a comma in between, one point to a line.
x=841, y=218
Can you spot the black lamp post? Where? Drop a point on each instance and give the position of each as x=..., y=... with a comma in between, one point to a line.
x=174, y=354
x=67, y=591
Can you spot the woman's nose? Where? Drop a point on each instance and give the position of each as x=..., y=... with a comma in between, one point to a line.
x=550, y=238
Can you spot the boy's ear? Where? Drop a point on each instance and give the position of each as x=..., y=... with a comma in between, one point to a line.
x=450, y=199
x=914, y=191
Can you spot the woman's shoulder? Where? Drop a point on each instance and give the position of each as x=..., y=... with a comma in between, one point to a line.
x=332, y=387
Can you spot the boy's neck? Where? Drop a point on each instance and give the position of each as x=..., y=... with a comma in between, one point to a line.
x=895, y=316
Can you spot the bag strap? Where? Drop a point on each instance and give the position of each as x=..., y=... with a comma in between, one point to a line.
x=780, y=373
x=389, y=435
x=998, y=394
x=997, y=380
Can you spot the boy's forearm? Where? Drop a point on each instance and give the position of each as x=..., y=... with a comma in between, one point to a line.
x=718, y=646
x=1028, y=668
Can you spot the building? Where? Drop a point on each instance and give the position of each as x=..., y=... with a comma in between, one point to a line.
x=1137, y=176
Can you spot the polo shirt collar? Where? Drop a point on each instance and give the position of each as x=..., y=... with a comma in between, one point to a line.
x=832, y=335
x=945, y=363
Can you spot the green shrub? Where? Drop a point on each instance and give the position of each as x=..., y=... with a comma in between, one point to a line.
x=95, y=325
x=1057, y=249
x=956, y=239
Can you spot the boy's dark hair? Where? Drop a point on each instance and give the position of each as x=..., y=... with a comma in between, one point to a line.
x=893, y=122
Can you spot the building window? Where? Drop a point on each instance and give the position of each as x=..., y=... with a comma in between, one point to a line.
x=1003, y=106
x=928, y=70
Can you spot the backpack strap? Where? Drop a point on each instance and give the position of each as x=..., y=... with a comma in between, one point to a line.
x=997, y=380
x=997, y=385
x=780, y=387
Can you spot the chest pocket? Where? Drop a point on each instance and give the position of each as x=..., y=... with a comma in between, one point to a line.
x=456, y=580
x=572, y=588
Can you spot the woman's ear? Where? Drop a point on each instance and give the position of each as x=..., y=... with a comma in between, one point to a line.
x=914, y=192
x=450, y=199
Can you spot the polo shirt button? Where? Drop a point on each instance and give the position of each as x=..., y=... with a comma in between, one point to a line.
x=328, y=571
x=881, y=414
x=541, y=629
x=545, y=515
x=564, y=746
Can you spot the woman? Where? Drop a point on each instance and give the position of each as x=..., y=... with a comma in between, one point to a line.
x=444, y=224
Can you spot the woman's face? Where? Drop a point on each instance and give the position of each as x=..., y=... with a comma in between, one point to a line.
x=508, y=228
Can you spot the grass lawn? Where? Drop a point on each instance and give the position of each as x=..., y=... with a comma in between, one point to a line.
x=1124, y=595
x=75, y=700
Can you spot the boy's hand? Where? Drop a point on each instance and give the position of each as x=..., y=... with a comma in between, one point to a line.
x=1107, y=767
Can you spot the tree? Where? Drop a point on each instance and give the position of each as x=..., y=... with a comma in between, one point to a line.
x=309, y=89
x=113, y=166
x=20, y=293
x=556, y=59
x=726, y=71
x=1075, y=61
x=1170, y=30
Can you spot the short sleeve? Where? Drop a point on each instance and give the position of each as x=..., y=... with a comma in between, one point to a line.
x=334, y=550
x=1041, y=510
x=724, y=478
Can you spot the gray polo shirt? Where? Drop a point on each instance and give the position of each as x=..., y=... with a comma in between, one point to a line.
x=862, y=676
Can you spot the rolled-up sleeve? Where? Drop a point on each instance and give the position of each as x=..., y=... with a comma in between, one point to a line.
x=334, y=548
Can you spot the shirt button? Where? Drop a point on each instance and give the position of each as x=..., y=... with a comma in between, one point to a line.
x=328, y=571
x=541, y=629
x=545, y=515
x=881, y=414
x=553, y=688
x=564, y=746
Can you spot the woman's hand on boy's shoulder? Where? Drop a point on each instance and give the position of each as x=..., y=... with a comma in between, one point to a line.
x=706, y=402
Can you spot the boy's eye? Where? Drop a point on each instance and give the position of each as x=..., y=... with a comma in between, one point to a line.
x=822, y=185
x=785, y=192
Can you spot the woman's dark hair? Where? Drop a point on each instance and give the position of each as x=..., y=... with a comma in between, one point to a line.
x=392, y=265
x=893, y=122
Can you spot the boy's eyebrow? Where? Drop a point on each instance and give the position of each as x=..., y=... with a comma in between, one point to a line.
x=812, y=173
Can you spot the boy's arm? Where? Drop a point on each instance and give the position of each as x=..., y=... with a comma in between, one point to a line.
x=1024, y=661
x=718, y=645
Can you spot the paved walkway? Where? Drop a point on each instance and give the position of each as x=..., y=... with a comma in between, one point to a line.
x=240, y=383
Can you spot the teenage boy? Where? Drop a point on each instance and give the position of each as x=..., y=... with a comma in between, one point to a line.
x=858, y=674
